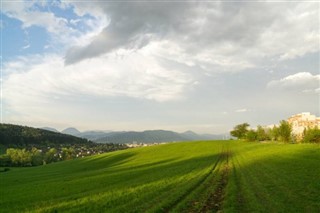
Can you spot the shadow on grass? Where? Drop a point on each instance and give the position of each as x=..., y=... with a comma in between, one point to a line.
x=161, y=171
x=286, y=180
x=123, y=180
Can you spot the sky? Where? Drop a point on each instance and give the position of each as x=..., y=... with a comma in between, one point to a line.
x=204, y=66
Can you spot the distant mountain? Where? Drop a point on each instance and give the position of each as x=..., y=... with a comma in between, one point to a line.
x=149, y=136
x=90, y=135
x=93, y=135
x=215, y=137
x=155, y=136
x=15, y=135
x=49, y=129
x=71, y=131
x=190, y=135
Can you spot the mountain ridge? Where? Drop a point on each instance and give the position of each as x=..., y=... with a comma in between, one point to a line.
x=71, y=131
x=146, y=136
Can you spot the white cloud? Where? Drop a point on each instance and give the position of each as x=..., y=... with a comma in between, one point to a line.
x=303, y=81
x=58, y=27
x=26, y=46
x=214, y=36
x=25, y=12
x=312, y=91
x=293, y=33
x=41, y=85
x=242, y=110
x=144, y=58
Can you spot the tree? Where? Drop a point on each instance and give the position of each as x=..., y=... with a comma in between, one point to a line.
x=36, y=157
x=13, y=156
x=274, y=133
x=251, y=135
x=19, y=157
x=261, y=134
x=5, y=160
x=285, y=131
x=67, y=153
x=25, y=157
x=240, y=130
x=311, y=136
x=50, y=155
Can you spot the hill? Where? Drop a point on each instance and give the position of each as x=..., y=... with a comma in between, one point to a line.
x=219, y=176
x=71, y=131
x=153, y=136
x=16, y=136
x=50, y=129
x=190, y=135
x=93, y=135
x=149, y=136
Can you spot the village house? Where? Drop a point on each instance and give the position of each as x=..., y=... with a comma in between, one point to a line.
x=302, y=121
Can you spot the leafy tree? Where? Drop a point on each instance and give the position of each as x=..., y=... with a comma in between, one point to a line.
x=67, y=153
x=19, y=157
x=311, y=136
x=262, y=134
x=50, y=155
x=36, y=157
x=5, y=160
x=274, y=133
x=251, y=135
x=285, y=130
x=13, y=156
x=240, y=130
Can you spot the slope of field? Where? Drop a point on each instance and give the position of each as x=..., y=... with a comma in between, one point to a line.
x=180, y=177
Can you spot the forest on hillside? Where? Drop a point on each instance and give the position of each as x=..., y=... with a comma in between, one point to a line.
x=22, y=136
x=27, y=146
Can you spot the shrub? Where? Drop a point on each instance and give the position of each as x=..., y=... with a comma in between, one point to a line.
x=311, y=136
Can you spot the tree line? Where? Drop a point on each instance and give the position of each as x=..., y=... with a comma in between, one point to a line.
x=28, y=146
x=35, y=156
x=282, y=132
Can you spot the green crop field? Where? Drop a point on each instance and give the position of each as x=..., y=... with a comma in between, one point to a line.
x=228, y=176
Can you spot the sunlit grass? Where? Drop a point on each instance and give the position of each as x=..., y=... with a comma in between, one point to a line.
x=177, y=177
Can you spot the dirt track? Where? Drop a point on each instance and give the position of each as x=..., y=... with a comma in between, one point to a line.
x=216, y=187
x=215, y=200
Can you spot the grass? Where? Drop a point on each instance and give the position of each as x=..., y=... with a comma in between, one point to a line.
x=230, y=176
x=275, y=178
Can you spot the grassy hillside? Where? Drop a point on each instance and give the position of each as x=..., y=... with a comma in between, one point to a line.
x=180, y=177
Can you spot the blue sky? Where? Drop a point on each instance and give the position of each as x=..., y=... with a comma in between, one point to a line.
x=158, y=65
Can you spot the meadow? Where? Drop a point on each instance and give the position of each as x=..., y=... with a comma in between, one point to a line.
x=204, y=176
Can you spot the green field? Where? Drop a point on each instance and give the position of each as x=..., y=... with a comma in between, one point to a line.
x=230, y=176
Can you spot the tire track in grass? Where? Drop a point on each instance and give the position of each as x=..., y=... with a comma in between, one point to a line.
x=216, y=197
x=173, y=204
x=215, y=200
x=240, y=199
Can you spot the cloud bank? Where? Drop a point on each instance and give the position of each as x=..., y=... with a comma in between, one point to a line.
x=215, y=35
x=302, y=81
x=170, y=63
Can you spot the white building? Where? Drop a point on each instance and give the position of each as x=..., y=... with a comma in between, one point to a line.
x=302, y=121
